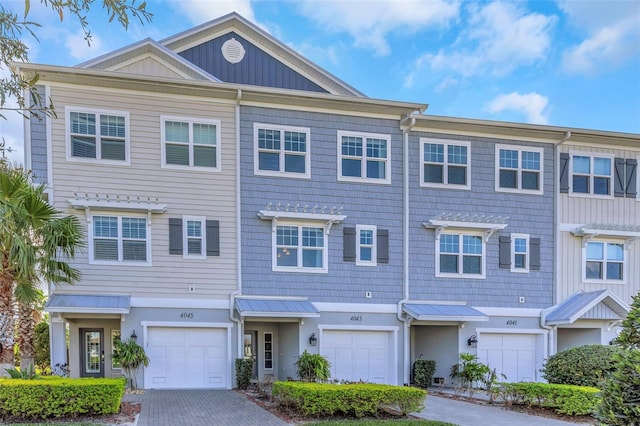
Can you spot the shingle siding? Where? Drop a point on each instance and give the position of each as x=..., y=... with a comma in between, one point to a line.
x=363, y=203
x=527, y=214
x=257, y=68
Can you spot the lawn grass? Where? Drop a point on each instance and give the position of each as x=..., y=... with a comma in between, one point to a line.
x=367, y=422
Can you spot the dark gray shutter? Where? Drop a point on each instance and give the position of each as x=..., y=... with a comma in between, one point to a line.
x=213, y=238
x=534, y=260
x=383, y=245
x=175, y=236
x=564, y=172
x=631, y=178
x=505, y=252
x=349, y=236
x=618, y=177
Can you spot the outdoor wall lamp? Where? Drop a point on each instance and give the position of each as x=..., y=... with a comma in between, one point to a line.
x=472, y=341
x=313, y=340
x=134, y=336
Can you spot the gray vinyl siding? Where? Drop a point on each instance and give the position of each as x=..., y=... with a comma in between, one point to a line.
x=38, y=133
x=363, y=203
x=184, y=191
x=257, y=68
x=150, y=67
x=527, y=214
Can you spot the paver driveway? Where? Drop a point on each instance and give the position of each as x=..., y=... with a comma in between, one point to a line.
x=202, y=407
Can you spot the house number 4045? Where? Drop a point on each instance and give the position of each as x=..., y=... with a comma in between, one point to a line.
x=186, y=315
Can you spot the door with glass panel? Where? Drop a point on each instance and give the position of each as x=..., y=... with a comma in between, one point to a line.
x=91, y=352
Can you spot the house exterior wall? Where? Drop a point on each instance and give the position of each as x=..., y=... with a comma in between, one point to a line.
x=257, y=68
x=184, y=191
x=38, y=156
x=148, y=66
x=526, y=214
x=362, y=203
x=579, y=210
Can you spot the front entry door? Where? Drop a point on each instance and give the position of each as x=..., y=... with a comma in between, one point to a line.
x=92, y=353
x=251, y=350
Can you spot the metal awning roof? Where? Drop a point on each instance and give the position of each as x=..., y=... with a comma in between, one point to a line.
x=576, y=306
x=443, y=312
x=88, y=304
x=276, y=307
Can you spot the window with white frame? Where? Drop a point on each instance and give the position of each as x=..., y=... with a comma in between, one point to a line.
x=591, y=174
x=194, y=237
x=190, y=143
x=604, y=261
x=281, y=150
x=520, y=253
x=444, y=164
x=299, y=247
x=99, y=135
x=460, y=255
x=363, y=157
x=519, y=169
x=119, y=239
x=366, y=245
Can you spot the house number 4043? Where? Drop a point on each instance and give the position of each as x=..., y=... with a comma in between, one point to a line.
x=186, y=315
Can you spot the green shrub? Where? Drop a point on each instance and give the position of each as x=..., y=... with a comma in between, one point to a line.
x=131, y=356
x=469, y=372
x=621, y=389
x=423, y=371
x=312, y=367
x=565, y=399
x=353, y=400
x=41, y=356
x=582, y=366
x=54, y=397
x=244, y=370
x=28, y=373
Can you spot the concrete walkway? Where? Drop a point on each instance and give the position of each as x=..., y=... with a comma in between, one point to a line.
x=202, y=408
x=469, y=414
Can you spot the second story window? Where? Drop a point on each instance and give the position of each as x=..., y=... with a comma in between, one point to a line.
x=460, y=255
x=363, y=157
x=604, y=261
x=281, y=150
x=591, y=175
x=119, y=239
x=519, y=170
x=366, y=253
x=444, y=164
x=97, y=135
x=300, y=248
x=191, y=143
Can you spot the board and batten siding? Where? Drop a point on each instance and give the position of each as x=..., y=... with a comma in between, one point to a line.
x=184, y=191
x=575, y=211
x=362, y=203
x=526, y=214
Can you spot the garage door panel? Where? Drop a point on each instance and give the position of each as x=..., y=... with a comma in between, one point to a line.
x=510, y=354
x=358, y=355
x=187, y=357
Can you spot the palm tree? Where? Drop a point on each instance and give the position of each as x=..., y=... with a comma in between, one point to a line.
x=34, y=238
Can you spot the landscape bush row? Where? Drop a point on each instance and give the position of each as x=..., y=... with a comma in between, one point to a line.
x=565, y=399
x=55, y=397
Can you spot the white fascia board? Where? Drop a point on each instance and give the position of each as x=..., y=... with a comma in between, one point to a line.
x=369, y=308
x=144, y=302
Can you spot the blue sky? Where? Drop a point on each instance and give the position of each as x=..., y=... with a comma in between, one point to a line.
x=563, y=63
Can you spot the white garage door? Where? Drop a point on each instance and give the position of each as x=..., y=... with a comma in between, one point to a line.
x=358, y=355
x=186, y=358
x=510, y=354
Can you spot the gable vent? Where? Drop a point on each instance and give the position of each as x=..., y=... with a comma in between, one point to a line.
x=233, y=51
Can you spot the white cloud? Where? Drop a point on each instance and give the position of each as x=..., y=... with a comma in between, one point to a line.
x=532, y=105
x=369, y=23
x=80, y=50
x=498, y=38
x=316, y=53
x=200, y=11
x=613, y=35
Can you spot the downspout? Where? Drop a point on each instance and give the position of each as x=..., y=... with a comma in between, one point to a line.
x=238, y=291
x=406, y=322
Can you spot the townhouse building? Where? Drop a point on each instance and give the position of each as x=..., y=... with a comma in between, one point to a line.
x=240, y=201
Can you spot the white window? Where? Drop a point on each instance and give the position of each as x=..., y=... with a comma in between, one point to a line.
x=97, y=135
x=193, y=240
x=366, y=245
x=591, y=175
x=444, y=164
x=519, y=169
x=268, y=351
x=299, y=248
x=119, y=239
x=190, y=143
x=604, y=261
x=364, y=157
x=460, y=255
x=281, y=150
x=520, y=253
